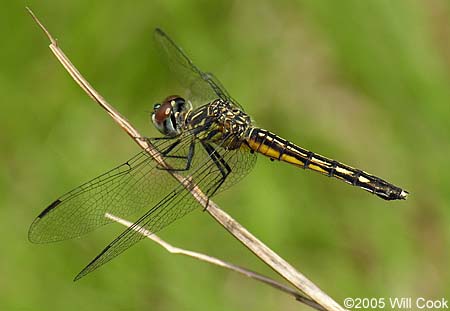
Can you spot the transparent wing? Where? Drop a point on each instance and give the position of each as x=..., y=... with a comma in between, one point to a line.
x=179, y=201
x=123, y=191
x=203, y=87
x=223, y=90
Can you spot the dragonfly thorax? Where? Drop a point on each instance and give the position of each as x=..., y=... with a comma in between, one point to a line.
x=170, y=115
x=220, y=122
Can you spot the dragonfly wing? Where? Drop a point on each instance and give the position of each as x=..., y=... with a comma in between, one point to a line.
x=179, y=202
x=220, y=89
x=175, y=205
x=123, y=191
x=203, y=87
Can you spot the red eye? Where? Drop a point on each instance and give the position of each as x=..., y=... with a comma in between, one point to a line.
x=163, y=112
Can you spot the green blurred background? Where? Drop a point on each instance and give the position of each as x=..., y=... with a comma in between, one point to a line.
x=364, y=82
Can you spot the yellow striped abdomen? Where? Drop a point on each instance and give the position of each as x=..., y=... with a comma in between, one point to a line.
x=277, y=148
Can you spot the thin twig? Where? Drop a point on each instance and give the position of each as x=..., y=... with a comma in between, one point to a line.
x=215, y=261
x=273, y=260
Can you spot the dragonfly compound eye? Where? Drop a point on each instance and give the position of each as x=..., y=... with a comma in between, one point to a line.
x=165, y=115
x=162, y=112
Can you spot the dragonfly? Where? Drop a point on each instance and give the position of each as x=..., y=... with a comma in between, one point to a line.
x=207, y=138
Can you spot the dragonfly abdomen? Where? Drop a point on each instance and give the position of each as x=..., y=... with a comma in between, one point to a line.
x=277, y=148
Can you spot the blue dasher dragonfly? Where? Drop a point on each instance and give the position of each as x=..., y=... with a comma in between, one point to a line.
x=207, y=138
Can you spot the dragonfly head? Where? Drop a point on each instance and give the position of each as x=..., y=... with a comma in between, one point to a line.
x=169, y=116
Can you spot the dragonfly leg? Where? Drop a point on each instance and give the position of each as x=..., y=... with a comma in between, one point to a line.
x=188, y=157
x=166, y=151
x=221, y=164
x=154, y=141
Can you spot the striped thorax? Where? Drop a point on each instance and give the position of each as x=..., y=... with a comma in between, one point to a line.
x=220, y=122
